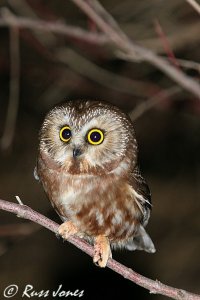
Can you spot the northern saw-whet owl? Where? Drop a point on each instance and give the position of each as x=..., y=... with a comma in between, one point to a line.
x=87, y=164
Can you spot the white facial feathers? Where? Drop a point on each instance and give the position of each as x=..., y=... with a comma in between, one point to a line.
x=116, y=127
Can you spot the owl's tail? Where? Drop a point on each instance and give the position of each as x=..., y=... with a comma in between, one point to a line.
x=141, y=242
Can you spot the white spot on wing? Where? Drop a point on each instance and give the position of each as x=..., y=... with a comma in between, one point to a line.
x=140, y=197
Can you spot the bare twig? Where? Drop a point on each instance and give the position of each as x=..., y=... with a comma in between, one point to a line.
x=131, y=51
x=165, y=43
x=155, y=287
x=189, y=64
x=87, y=68
x=22, y=7
x=179, y=37
x=54, y=27
x=104, y=14
x=10, y=123
x=194, y=4
x=145, y=106
x=124, y=47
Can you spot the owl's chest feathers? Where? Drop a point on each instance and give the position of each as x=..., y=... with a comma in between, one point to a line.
x=96, y=204
x=99, y=205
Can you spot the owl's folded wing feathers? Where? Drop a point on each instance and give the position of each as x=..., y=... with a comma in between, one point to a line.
x=142, y=240
x=141, y=188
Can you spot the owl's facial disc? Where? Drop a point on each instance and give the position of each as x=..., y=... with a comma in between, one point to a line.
x=87, y=136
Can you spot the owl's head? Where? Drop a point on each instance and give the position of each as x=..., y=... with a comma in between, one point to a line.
x=88, y=137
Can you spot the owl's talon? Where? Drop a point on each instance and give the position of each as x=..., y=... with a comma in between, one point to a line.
x=67, y=229
x=102, y=251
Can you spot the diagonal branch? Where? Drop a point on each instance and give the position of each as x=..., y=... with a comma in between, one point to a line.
x=155, y=287
x=145, y=106
x=9, y=19
x=128, y=50
x=92, y=71
x=124, y=47
x=194, y=4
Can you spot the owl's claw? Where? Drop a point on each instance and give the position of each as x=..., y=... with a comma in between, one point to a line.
x=67, y=229
x=102, y=251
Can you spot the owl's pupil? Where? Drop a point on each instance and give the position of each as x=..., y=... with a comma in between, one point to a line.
x=95, y=136
x=66, y=134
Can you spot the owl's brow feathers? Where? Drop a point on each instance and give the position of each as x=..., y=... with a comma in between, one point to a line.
x=78, y=113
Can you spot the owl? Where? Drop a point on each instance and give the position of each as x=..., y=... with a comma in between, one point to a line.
x=88, y=166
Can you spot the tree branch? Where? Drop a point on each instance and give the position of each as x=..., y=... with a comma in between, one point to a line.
x=130, y=51
x=112, y=34
x=145, y=106
x=111, y=80
x=194, y=4
x=9, y=19
x=155, y=287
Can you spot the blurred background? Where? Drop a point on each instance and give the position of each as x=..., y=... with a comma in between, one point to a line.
x=39, y=69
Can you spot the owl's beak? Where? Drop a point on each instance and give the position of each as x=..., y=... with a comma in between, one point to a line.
x=76, y=152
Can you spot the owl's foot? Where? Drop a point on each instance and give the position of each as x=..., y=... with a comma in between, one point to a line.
x=67, y=229
x=102, y=251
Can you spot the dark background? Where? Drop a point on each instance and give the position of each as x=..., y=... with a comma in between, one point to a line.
x=168, y=137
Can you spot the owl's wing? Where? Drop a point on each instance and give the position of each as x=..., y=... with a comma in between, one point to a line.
x=142, y=194
x=141, y=187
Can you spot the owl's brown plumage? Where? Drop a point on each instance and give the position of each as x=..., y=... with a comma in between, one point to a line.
x=87, y=164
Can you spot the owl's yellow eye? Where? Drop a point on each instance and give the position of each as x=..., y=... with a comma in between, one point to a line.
x=65, y=134
x=95, y=136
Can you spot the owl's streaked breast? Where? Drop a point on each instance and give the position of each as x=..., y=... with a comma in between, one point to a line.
x=95, y=204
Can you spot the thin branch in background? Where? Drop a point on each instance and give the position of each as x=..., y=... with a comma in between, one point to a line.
x=101, y=39
x=102, y=12
x=154, y=287
x=179, y=38
x=107, y=24
x=130, y=51
x=100, y=75
x=10, y=123
x=145, y=106
x=9, y=19
x=188, y=64
x=194, y=4
x=22, y=7
x=88, y=69
x=165, y=43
